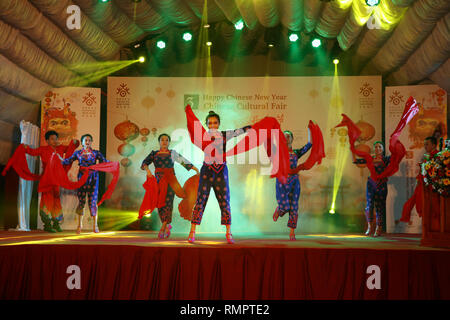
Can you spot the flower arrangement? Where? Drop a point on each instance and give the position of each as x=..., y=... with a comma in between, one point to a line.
x=436, y=172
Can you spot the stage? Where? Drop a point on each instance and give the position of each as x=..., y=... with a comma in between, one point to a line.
x=136, y=265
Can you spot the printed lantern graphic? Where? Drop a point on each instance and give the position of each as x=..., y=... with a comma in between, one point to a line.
x=126, y=131
x=144, y=133
x=367, y=133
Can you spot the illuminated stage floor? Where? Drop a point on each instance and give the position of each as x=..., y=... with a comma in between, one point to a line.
x=136, y=265
x=149, y=238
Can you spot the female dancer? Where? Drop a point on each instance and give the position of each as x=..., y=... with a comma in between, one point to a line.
x=87, y=157
x=288, y=194
x=214, y=174
x=164, y=160
x=376, y=191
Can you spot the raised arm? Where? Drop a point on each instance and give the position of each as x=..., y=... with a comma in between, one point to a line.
x=300, y=152
x=70, y=148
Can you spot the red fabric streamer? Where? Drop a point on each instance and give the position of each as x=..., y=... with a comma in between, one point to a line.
x=168, y=178
x=111, y=167
x=19, y=163
x=264, y=135
x=150, y=197
x=317, y=150
x=55, y=175
x=396, y=148
x=156, y=192
x=415, y=200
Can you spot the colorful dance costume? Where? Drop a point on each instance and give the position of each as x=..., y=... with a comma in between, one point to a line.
x=165, y=175
x=87, y=158
x=50, y=200
x=214, y=174
x=376, y=192
x=288, y=194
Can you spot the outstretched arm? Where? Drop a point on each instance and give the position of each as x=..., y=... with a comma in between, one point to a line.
x=183, y=161
x=70, y=159
x=32, y=151
x=237, y=132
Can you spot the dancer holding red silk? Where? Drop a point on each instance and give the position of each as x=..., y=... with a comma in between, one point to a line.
x=55, y=175
x=288, y=193
x=380, y=167
x=161, y=194
x=87, y=157
x=214, y=172
x=50, y=206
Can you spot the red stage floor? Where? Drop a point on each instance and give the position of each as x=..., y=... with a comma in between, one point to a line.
x=135, y=265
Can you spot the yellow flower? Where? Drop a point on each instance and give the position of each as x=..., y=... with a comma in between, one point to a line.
x=446, y=182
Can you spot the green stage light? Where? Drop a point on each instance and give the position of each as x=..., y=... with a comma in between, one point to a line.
x=316, y=43
x=141, y=59
x=104, y=0
x=161, y=44
x=187, y=36
x=293, y=37
x=336, y=61
x=239, y=25
x=372, y=3
x=209, y=43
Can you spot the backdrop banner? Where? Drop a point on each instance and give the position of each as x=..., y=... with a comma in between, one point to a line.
x=72, y=112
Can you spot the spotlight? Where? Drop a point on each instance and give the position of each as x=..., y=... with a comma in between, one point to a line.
x=332, y=209
x=239, y=25
x=270, y=45
x=141, y=59
x=336, y=61
x=187, y=36
x=137, y=45
x=316, y=43
x=206, y=26
x=372, y=3
x=161, y=44
x=104, y=0
x=293, y=37
x=209, y=43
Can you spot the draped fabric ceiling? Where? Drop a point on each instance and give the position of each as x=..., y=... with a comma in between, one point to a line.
x=409, y=43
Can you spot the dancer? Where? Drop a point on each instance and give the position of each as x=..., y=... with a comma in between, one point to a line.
x=430, y=145
x=288, y=193
x=381, y=167
x=214, y=174
x=168, y=186
x=376, y=191
x=87, y=157
x=50, y=207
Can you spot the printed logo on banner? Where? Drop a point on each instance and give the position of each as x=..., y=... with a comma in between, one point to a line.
x=396, y=97
x=122, y=101
x=88, y=110
x=192, y=99
x=366, y=100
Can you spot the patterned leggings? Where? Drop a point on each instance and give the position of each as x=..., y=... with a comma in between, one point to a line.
x=89, y=189
x=210, y=178
x=375, y=198
x=287, y=197
x=165, y=213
